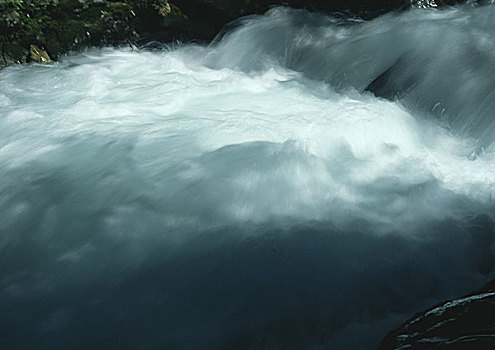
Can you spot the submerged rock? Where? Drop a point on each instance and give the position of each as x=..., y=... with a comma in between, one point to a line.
x=464, y=323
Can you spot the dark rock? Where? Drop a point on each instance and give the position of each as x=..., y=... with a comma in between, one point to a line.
x=443, y=3
x=466, y=323
x=12, y=53
x=361, y=8
x=216, y=13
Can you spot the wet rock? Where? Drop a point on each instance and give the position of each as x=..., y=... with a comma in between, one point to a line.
x=465, y=323
x=38, y=55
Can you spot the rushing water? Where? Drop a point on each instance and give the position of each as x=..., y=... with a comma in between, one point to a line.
x=250, y=194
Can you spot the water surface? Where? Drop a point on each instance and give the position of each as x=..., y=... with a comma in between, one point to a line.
x=302, y=183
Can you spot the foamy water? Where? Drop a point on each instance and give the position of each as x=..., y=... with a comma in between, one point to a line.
x=253, y=193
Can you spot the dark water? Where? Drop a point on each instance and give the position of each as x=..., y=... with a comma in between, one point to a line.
x=303, y=183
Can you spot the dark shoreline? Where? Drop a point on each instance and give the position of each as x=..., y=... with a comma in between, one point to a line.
x=43, y=30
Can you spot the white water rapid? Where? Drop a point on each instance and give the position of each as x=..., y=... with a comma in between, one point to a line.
x=252, y=194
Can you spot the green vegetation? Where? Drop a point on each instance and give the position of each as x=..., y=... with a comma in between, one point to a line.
x=55, y=27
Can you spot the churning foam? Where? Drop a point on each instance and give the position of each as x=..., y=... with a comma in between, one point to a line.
x=272, y=144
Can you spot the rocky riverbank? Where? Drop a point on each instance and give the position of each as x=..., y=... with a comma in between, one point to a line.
x=42, y=30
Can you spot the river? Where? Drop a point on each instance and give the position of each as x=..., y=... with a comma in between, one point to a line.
x=303, y=182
